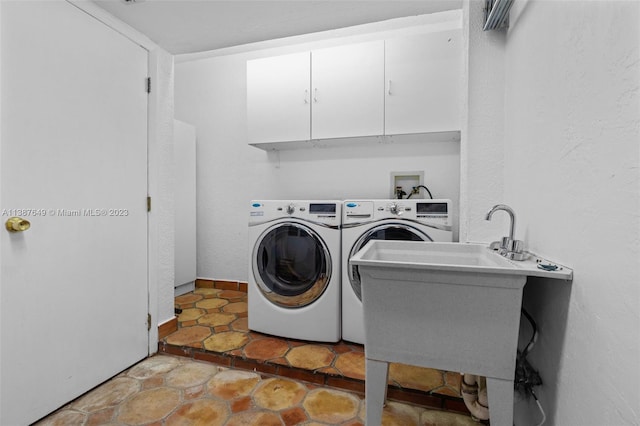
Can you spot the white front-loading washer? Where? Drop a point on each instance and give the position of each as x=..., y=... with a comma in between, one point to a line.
x=294, y=269
x=365, y=220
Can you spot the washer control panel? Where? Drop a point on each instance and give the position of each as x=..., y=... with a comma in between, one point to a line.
x=358, y=209
x=436, y=212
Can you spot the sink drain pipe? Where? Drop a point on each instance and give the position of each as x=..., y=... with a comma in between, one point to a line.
x=474, y=388
x=475, y=396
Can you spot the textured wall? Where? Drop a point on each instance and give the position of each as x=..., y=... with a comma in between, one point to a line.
x=482, y=150
x=572, y=155
x=210, y=94
x=553, y=121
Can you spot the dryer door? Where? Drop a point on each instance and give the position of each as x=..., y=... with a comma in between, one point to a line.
x=291, y=265
x=389, y=231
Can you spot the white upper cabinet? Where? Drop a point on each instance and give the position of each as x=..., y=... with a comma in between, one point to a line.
x=278, y=98
x=397, y=86
x=423, y=83
x=348, y=91
x=327, y=93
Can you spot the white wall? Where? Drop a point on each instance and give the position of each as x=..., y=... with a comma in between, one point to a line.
x=161, y=190
x=184, y=140
x=211, y=94
x=572, y=173
x=571, y=157
x=482, y=150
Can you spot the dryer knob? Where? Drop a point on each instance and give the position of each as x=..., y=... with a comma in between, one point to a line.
x=395, y=209
x=291, y=209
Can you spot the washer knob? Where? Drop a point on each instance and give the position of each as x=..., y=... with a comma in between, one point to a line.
x=291, y=209
x=394, y=208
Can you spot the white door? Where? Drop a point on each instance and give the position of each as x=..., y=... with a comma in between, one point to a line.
x=423, y=77
x=73, y=287
x=278, y=98
x=348, y=90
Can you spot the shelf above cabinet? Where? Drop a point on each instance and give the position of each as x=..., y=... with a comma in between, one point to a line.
x=448, y=136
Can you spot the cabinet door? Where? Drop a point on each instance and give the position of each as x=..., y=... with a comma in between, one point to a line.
x=423, y=77
x=278, y=98
x=348, y=91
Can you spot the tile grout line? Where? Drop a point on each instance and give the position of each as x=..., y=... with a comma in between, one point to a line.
x=413, y=396
x=429, y=399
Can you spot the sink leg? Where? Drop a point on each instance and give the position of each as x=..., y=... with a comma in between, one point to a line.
x=500, y=394
x=375, y=390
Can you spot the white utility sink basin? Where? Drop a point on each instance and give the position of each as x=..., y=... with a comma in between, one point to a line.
x=460, y=257
x=448, y=306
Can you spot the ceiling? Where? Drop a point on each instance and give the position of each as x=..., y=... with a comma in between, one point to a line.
x=188, y=26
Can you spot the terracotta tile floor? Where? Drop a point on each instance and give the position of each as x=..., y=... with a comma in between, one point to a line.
x=178, y=391
x=213, y=327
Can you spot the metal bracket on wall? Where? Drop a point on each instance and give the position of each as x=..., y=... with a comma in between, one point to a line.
x=496, y=14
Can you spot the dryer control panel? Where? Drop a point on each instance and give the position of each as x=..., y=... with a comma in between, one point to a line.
x=327, y=212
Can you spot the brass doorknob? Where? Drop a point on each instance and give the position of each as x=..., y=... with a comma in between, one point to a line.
x=17, y=224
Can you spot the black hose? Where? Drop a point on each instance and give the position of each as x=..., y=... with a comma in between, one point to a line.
x=421, y=186
x=426, y=189
x=526, y=377
x=534, y=336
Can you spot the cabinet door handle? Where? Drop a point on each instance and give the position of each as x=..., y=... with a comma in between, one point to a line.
x=306, y=96
x=315, y=95
x=389, y=88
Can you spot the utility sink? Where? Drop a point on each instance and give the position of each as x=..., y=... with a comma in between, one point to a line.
x=476, y=258
x=448, y=306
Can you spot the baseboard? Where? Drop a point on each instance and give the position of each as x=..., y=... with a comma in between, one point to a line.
x=222, y=284
x=184, y=288
x=167, y=327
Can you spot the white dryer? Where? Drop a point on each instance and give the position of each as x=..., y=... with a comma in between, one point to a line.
x=294, y=269
x=365, y=220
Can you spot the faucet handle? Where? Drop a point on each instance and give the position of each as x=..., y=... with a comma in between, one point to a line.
x=517, y=246
x=511, y=249
x=506, y=244
x=514, y=249
x=517, y=256
x=512, y=246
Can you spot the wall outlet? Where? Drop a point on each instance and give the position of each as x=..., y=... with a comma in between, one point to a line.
x=402, y=183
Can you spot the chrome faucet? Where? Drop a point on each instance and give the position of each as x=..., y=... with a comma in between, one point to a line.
x=512, y=215
x=509, y=247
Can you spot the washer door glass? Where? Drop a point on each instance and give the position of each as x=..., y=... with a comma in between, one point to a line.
x=395, y=231
x=291, y=265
